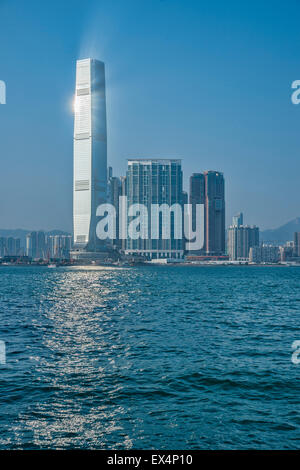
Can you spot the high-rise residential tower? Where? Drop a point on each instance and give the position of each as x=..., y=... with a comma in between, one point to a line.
x=237, y=220
x=90, y=153
x=208, y=188
x=114, y=192
x=155, y=182
x=10, y=246
x=197, y=196
x=214, y=212
x=197, y=193
x=297, y=244
x=240, y=239
x=36, y=245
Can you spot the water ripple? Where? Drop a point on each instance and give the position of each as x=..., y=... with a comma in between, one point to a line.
x=154, y=357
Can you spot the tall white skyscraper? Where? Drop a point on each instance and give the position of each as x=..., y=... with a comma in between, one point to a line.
x=90, y=152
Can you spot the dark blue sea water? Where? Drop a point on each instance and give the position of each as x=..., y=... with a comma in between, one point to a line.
x=150, y=357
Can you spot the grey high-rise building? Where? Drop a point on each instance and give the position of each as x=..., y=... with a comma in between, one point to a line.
x=155, y=181
x=238, y=220
x=90, y=153
x=10, y=246
x=214, y=212
x=36, y=245
x=123, y=193
x=59, y=246
x=240, y=240
x=208, y=188
x=31, y=243
x=297, y=244
x=2, y=247
x=114, y=193
x=185, y=200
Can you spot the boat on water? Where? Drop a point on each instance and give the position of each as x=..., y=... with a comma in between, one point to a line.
x=52, y=265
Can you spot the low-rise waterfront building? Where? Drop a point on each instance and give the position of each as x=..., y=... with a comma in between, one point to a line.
x=264, y=254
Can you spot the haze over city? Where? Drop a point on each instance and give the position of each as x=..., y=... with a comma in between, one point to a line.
x=208, y=84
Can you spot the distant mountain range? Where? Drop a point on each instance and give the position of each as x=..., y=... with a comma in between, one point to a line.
x=21, y=233
x=283, y=233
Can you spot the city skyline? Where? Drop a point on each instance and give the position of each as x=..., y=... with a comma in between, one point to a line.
x=208, y=188
x=93, y=184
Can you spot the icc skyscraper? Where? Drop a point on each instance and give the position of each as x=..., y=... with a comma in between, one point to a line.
x=90, y=153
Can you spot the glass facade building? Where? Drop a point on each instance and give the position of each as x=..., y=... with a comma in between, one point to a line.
x=297, y=244
x=214, y=212
x=90, y=152
x=240, y=240
x=114, y=188
x=155, y=182
x=197, y=196
x=238, y=220
x=36, y=246
x=208, y=188
x=10, y=246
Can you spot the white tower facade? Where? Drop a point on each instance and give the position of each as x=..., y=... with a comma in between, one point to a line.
x=90, y=152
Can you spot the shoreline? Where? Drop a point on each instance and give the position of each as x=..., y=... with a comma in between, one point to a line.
x=198, y=265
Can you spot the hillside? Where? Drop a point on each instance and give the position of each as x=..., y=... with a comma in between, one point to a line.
x=283, y=233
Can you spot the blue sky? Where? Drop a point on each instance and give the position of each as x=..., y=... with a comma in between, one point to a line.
x=208, y=82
